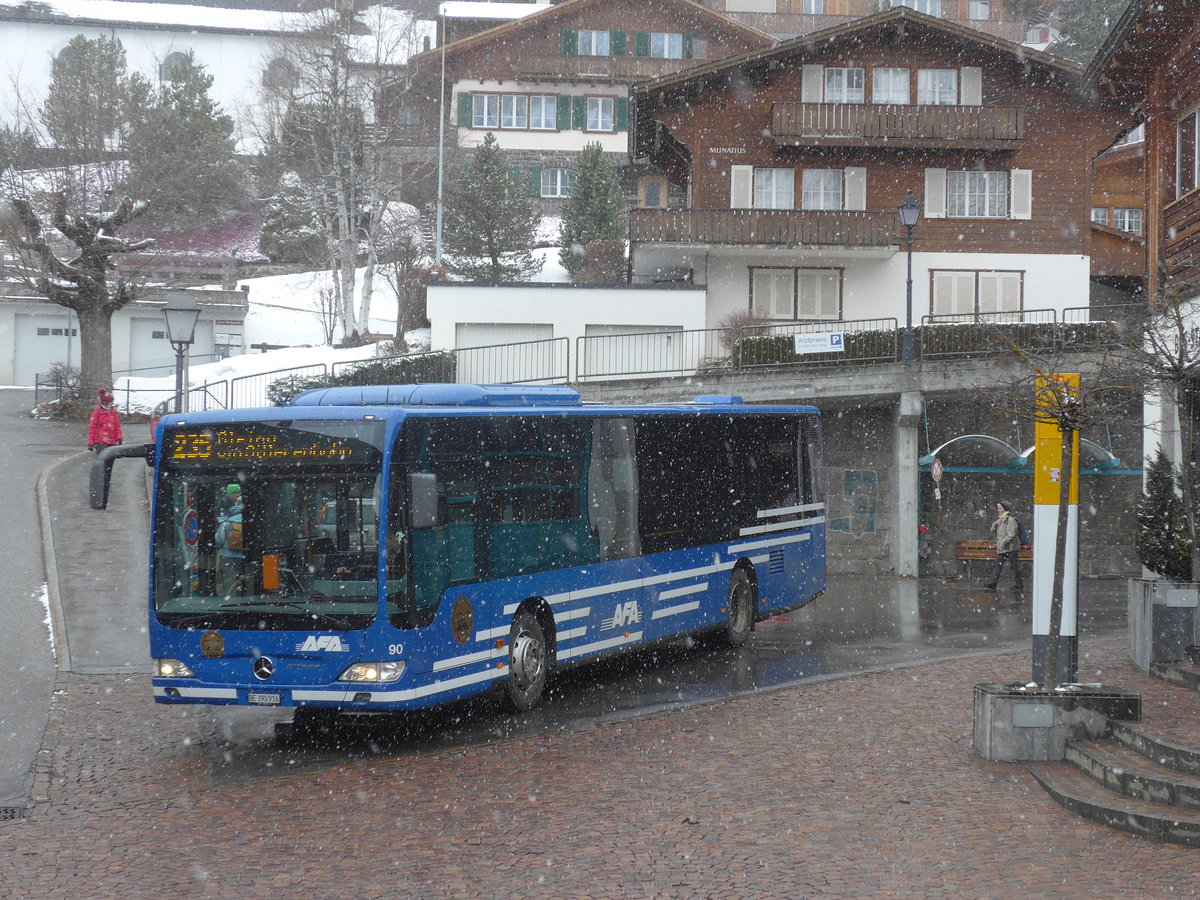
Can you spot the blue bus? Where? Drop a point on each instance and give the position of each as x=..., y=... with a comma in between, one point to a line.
x=395, y=547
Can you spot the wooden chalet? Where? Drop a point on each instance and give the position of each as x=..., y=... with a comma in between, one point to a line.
x=1150, y=67
x=794, y=159
x=552, y=82
x=1014, y=20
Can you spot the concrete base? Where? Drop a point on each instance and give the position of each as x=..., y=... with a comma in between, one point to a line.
x=1162, y=621
x=1013, y=724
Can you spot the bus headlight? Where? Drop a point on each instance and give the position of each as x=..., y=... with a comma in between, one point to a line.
x=377, y=672
x=172, y=668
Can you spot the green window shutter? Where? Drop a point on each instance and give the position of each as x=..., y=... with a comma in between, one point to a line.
x=580, y=117
x=641, y=43
x=535, y=181
x=617, y=42
x=562, y=111
x=570, y=42
x=514, y=174
x=622, y=114
x=689, y=41
x=465, y=111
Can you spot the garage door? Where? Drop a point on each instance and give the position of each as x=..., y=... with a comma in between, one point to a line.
x=508, y=353
x=43, y=339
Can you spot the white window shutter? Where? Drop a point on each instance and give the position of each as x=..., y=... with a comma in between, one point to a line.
x=1020, y=190
x=935, y=193
x=812, y=84
x=1010, y=292
x=970, y=86
x=741, y=187
x=854, y=181
x=943, y=293
x=989, y=292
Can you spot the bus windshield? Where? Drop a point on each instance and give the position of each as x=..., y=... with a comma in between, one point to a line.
x=254, y=538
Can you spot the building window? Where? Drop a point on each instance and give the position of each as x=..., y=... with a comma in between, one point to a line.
x=977, y=195
x=889, y=85
x=980, y=10
x=795, y=294
x=280, y=75
x=170, y=63
x=514, y=111
x=774, y=188
x=543, y=112
x=652, y=192
x=1100, y=215
x=485, y=109
x=600, y=114
x=557, y=182
x=969, y=293
x=593, y=43
x=814, y=7
x=665, y=45
x=937, y=87
x=1038, y=34
x=822, y=189
x=1128, y=220
x=929, y=7
x=844, y=85
x=1187, y=160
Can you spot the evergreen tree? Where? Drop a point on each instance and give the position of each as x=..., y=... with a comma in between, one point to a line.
x=181, y=149
x=1161, y=539
x=85, y=104
x=593, y=212
x=292, y=229
x=490, y=224
x=1083, y=25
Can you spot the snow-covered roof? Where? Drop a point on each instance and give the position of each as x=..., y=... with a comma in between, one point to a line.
x=480, y=9
x=151, y=14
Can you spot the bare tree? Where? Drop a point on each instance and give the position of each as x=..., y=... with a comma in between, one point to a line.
x=85, y=283
x=322, y=89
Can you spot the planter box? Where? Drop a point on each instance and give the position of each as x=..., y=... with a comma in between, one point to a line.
x=1162, y=620
x=1012, y=724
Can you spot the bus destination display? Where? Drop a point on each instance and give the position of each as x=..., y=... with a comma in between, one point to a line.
x=235, y=446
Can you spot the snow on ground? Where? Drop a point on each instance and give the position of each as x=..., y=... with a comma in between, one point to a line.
x=284, y=310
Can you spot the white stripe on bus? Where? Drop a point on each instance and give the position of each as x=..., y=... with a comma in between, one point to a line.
x=770, y=542
x=384, y=696
x=683, y=591
x=788, y=510
x=676, y=610
x=781, y=526
x=454, y=662
x=205, y=693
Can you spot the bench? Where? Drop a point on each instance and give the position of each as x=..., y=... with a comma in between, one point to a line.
x=969, y=551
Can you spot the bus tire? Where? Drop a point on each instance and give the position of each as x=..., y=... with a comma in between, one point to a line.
x=740, y=607
x=528, y=661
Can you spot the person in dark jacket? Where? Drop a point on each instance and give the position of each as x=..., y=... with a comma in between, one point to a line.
x=1008, y=545
x=104, y=427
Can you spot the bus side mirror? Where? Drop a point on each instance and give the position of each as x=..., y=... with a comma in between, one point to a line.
x=422, y=500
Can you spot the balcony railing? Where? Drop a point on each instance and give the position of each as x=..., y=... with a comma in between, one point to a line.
x=879, y=125
x=765, y=227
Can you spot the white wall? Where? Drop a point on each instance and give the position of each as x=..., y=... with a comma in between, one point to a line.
x=573, y=140
x=233, y=59
x=875, y=287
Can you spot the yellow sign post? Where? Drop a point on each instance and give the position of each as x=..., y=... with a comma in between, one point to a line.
x=1053, y=392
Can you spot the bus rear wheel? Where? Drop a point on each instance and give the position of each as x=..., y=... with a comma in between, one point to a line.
x=528, y=662
x=740, y=606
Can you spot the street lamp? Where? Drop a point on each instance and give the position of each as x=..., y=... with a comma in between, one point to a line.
x=181, y=313
x=910, y=212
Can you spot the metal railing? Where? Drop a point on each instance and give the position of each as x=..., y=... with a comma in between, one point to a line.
x=862, y=341
x=675, y=352
x=1034, y=330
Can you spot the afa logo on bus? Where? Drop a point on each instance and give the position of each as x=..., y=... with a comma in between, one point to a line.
x=333, y=643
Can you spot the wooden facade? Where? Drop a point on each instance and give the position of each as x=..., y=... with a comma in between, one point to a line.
x=1150, y=68
x=1027, y=116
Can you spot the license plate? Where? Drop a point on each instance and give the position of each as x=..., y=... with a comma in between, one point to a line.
x=263, y=699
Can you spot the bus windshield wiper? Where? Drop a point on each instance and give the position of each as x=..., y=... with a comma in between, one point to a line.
x=340, y=624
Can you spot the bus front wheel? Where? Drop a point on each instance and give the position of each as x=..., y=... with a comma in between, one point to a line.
x=528, y=662
x=740, y=605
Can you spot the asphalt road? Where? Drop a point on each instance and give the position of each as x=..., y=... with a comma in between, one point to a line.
x=26, y=662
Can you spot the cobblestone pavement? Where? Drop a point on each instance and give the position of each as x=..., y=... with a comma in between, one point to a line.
x=865, y=786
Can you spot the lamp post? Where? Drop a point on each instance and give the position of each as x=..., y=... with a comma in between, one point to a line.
x=910, y=212
x=180, y=314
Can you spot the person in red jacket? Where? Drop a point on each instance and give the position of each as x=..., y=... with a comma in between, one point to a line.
x=104, y=428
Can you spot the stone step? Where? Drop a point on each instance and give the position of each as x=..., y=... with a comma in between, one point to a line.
x=1125, y=771
x=1075, y=790
x=1173, y=756
x=1184, y=674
